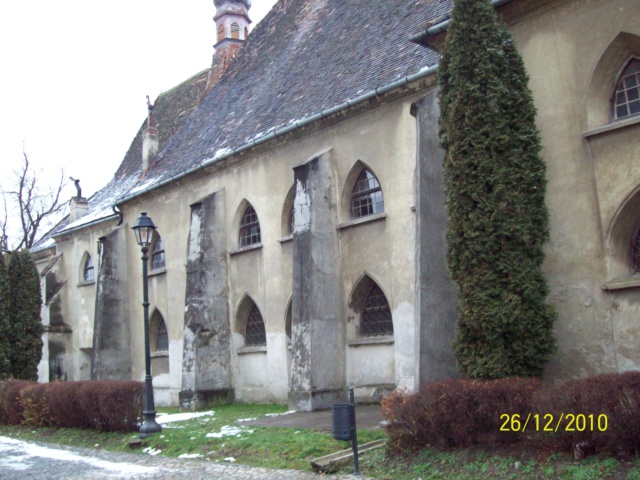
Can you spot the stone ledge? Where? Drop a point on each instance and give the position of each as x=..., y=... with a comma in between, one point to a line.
x=382, y=340
x=250, y=248
x=616, y=125
x=361, y=220
x=256, y=349
x=621, y=283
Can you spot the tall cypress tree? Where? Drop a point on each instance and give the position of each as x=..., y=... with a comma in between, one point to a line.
x=495, y=186
x=5, y=325
x=24, y=316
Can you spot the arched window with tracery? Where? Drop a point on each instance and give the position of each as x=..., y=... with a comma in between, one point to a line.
x=249, y=228
x=255, y=334
x=626, y=101
x=375, y=318
x=157, y=254
x=88, y=272
x=162, y=336
x=366, y=197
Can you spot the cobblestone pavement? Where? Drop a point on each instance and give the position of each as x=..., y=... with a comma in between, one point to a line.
x=31, y=460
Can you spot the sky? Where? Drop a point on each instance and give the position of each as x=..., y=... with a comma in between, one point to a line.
x=75, y=75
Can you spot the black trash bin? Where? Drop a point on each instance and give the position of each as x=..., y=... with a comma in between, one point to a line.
x=344, y=421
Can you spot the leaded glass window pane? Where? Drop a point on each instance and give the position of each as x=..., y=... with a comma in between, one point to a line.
x=255, y=334
x=162, y=337
x=249, y=228
x=88, y=272
x=376, y=314
x=366, y=198
x=157, y=257
x=627, y=94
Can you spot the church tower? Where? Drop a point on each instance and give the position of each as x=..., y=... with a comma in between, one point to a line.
x=232, y=28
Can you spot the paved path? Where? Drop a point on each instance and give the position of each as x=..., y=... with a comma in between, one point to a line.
x=21, y=460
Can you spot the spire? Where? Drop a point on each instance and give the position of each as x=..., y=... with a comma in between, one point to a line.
x=232, y=28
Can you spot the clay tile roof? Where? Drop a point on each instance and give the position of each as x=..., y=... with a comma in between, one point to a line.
x=305, y=56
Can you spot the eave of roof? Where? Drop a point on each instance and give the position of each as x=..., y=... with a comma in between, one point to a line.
x=442, y=25
x=296, y=125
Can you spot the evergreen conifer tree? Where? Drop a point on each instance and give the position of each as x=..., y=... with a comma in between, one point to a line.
x=495, y=186
x=24, y=316
x=5, y=325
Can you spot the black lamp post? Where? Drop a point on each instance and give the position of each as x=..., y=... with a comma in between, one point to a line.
x=144, y=229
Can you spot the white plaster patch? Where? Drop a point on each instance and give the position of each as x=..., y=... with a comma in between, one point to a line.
x=301, y=210
x=194, y=237
x=19, y=455
x=404, y=336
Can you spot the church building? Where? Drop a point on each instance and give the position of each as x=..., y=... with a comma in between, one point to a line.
x=297, y=188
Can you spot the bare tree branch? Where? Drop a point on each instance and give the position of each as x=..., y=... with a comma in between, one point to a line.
x=36, y=200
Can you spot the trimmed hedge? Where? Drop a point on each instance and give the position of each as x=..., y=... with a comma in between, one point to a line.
x=99, y=405
x=456, y=412
x=601, y=412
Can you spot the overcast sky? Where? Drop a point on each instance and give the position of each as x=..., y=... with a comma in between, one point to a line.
x=75, y=74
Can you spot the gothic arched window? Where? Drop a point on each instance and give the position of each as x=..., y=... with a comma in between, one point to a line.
x=88, y=273
x=162, y=336
x=366, y=197
x=255, y=334
x=157, y=254
x=375, y=318
x=626, y=101
x=249, y=228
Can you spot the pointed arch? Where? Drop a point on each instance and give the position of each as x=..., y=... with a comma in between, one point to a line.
x=158, y=260
x=626, y=96
x=250, y=323
x=158, y=333
x=623, y=236
x=247, y=225
x=87, y=272
x=601, y=98
x=362, y=194
x=286, y=222
x=373, y=312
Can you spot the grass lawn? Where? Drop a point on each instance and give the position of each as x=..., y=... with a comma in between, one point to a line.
x=220, y=437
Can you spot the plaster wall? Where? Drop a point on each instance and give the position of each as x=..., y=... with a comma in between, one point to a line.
x=384, y=140
x=588, y=179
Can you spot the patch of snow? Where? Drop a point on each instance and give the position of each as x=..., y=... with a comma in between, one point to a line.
x=191, y=455
x=279, y=414
x=18, y=455
x=151, y=451
x=246, y=419
x=229, y=459
x=181, y=417
x=229, y=431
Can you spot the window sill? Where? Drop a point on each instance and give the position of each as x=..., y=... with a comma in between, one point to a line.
x=86, y=284
x=382, y=340
x=159, y=271
x=159, y=353
x=615, y=125
x=622, y=283
x=256, y=349
x=286, y=239
x=249, y=248
x=361, y=220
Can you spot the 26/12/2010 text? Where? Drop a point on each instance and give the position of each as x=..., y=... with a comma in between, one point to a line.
x=551, y=423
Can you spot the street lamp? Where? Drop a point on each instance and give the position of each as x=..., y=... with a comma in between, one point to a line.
x=144, y=229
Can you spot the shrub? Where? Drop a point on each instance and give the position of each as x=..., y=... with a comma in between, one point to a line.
x=456, y=412
x=112, y=405
x=615, y=395
x=34, y=400
x=66, y=412
x=100, y=405
x=10, y=406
